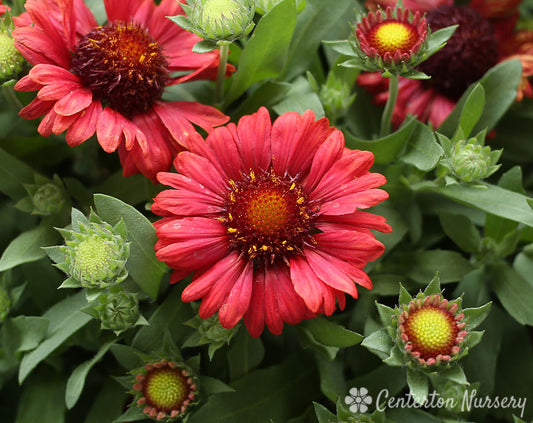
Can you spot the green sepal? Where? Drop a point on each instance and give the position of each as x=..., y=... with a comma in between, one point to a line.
x=405, y=298
x=453, y=372
x=434, y=286
x=475, y=316
x=204, y=46
x=379, y=343
x=385, y=314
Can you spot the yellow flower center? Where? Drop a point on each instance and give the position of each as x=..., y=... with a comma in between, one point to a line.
x=431, y=330
x=10, y=58
x=166, y=389
x=392, y=36
x=92, y=256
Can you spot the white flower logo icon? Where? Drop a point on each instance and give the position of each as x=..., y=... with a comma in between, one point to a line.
x=358, y=400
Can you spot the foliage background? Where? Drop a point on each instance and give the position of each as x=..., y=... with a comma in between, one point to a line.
x=56, y=365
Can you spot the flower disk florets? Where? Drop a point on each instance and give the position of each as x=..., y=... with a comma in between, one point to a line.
x=123, y=65
x=165, y=390
x=431, y=329
x=392, y=40
x=11, y=61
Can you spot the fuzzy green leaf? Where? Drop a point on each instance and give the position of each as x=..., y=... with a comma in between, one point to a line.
x=76, y=381
x=455, y=373
x=332, y=334
x=266, y=52
x=423, y=151
x=514, y=292
x=472, y=111
x=499, y=84
x=26, y=247
x=379, y=342
x=462, y=231
x=475, y=316
x=418, y=385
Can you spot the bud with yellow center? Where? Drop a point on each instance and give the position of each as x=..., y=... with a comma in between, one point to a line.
x=218, y=22
x=165, y=390
x=94, y=254
x=11, y=61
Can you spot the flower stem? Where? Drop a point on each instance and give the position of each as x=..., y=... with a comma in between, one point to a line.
x=386, y=118
x=221, y=75
x=11, y=98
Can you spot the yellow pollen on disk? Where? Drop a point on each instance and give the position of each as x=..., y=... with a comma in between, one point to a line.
x=393, y=36
x=431, y=329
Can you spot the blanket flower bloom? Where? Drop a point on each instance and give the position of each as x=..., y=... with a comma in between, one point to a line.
x=485, y=36
x=109, y=79
x=268, y=217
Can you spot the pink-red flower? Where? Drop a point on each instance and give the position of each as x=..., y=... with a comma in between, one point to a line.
x=485, y=36
x=109, y=79
x=268, y=216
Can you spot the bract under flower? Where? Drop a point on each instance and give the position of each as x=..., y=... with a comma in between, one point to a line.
x=268, y=216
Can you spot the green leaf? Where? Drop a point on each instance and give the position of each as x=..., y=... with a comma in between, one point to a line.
x=323, y=414
x=404, y=298
x=455, y=373
x=433, y=286
x=331, y=372
x=423, y=151
x=475, y=316
x=514, y=292
x=265, y=53
x=76, y=381
x=142, y=265
x=42, y=399
x=264, y=395
x=108, y=404
x=26, y=247
x=245, y=353
x=211, y=385
x=418, y=385
x=451, y=265
x=385, y=149
x=472, y=111
x=267, y=94
x=14, y=174
x=300, y=98
x=491, y=199
x=379, y=342
x=332, y=334
x=499, y=84
x=65, y=319
x=438, y=39
x=462, y=231
x=24, y=333
x=385, y=313
x=319, y=21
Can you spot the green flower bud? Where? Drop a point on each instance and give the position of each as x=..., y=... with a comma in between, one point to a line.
x=336, y=97
x=118, y=311
x=472, y=161
x=218, y=21
x=48, y=199
x=209, y=331
x=5, y=304
x=94, y=254
x=11, y=61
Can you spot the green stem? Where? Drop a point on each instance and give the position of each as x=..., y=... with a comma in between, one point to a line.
x=12, y=98
x=221, y=75
x=386, y=118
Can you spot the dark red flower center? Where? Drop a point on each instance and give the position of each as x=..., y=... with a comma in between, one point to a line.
x=469, y=53
x=268, y=216
x=432, y=331
x=123, y=65
x=392, y=36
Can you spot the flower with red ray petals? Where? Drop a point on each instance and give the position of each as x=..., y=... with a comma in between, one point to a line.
x=108, y=79
x=268, y=216
x=485, y=36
